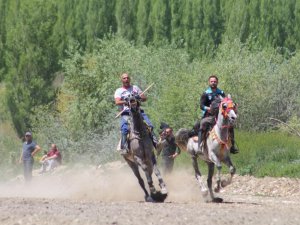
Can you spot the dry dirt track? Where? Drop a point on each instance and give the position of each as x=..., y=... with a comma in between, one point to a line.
x=112, y=196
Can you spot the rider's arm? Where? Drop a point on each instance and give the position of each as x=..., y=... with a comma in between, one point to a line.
x=119, y=101
x=204, y=102
x=143, y=97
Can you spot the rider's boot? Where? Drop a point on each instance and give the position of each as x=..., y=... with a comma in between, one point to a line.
x=124, y=145
x=199, y=138
x=233, y=149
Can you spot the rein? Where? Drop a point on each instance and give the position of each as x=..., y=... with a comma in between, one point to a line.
x=216, y=137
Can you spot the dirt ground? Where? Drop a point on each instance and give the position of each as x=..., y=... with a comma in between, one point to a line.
x=110, y=194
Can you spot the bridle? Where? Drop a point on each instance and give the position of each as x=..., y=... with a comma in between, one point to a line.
x=226, y=106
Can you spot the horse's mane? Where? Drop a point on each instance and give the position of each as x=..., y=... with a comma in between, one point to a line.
x=214, y=107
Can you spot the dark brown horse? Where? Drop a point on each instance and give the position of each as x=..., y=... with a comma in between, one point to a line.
x=141, y=153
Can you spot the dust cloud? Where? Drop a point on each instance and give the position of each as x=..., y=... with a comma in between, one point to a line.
x=110, y=182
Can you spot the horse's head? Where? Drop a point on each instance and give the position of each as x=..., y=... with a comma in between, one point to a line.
x=133, y=102
x=228, y=109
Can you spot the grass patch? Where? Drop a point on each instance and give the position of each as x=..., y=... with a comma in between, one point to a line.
x=273, y=154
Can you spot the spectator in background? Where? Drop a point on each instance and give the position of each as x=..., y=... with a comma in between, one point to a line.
x=51, y=160
x=29, y=149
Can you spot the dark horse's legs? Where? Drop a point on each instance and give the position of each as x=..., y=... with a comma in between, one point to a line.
x=147, y=167
x=135, y=169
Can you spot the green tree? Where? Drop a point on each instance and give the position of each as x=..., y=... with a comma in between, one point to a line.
x=31, y=59
x=178, y=25
x=100, y=20
x=126, y=18
x=160, y=20
x=144, y=31
x=3, y=17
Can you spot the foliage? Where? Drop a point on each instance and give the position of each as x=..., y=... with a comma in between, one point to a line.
x=34, y=37
x=30, y=59
x=60, y=64
x=261, y=154
x=81, y=146
x=268, y=154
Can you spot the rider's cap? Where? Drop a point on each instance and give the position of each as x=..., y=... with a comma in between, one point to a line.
x=28, y=133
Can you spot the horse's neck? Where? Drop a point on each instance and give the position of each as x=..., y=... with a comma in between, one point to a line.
x=138, y=126
x=221, y=128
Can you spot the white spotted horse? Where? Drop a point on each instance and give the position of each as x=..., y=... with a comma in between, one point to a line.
x=214, y=150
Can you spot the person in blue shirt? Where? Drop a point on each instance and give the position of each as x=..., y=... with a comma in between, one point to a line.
x=29, y=149
x=209, y=106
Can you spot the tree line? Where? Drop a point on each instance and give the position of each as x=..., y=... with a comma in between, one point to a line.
x=36, y=34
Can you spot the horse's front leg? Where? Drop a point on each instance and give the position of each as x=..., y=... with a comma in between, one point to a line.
x=219, y=181
x=135, y=169
x=198, y=176
x=232, y=170
x=215, y=160
x=148, y=172
x=211, y=167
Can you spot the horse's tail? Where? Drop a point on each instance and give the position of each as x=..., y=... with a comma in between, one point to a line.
x=181, y=138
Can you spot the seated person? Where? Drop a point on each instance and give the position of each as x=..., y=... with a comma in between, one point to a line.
x=51, y=160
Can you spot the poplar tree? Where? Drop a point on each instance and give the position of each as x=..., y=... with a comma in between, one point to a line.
x=144, y=30
x=31, y=60
x=160, y=18
x=100, y=20
x=177, y=22
x=126, y=18
x=3, y=16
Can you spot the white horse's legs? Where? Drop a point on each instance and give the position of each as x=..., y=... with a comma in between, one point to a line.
x=202, y=186
x=198, y=176
x=219, y=181
x=211, y=167
x=228, y=181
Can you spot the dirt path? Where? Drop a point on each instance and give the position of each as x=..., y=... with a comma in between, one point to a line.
x=111, y=196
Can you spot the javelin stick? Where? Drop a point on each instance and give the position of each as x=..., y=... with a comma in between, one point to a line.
x=140, y=94
x=147, y=88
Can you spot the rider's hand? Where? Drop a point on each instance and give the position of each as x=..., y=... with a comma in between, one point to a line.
x=138, y=97
x=126, y=100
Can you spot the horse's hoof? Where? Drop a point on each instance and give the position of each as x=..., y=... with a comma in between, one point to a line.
x=149, y=199
x=164, y=190
x=225, y=183
x=217, y=200
x=152, y=190
x=204, y=193
x=217, y=189
x=158, y=196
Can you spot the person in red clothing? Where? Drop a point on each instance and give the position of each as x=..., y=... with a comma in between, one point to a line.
x=51, y=160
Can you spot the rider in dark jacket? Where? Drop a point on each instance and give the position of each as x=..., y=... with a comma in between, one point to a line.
x=209, y=102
